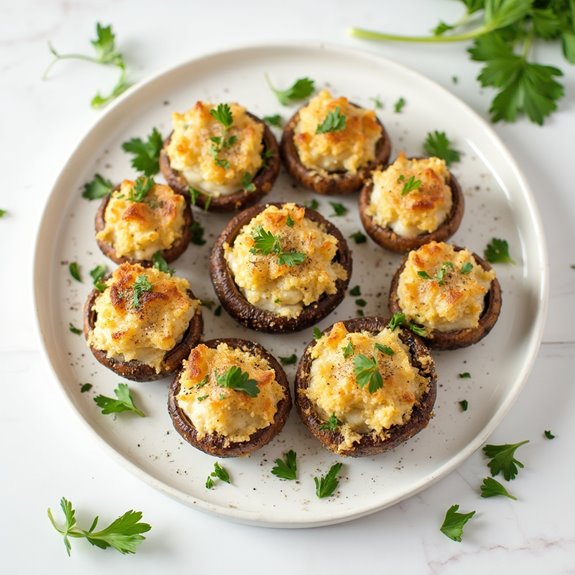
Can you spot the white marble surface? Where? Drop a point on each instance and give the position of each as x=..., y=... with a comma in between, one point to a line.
x=47, y=453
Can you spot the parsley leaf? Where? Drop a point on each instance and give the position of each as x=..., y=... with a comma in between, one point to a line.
x=141, y=188
x=218, y=473
x=97, y=188
x=235, y=378
x=291, y=258
x=74, y=329
x=246, y=183
x=97, y=274
x=377, y=103
x=146, y=153
x=332, y=423
x=384, y=349
x=367, y=373
x=355, y=291
x=397, y=320
x=286, y=469
x=123, y=402
x=548, y=434
x=333, y=122
x=358, y=237
x=464, y=404
x=466, y=268
x=265, y=242
x=399, y=105
x=299, y=90
x=141, y=285
x=317, y=333
x=437, y=144
x=124, y=534
x=491, y=487
x=454, y=522
x=464, y=375
x=503, y=459
x=275, y=120
x=497, y=251
x=410, y=184
x=326, y=485
x=85, y=387
x=161, y=264
x=338, y=209
x=289, y=360
x=223, y=115
x=313, y=204
x=347, y=350
x=74, y=270
x=197, y=234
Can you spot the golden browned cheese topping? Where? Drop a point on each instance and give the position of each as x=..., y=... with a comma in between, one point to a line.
x=443, y=289
x=341, y=150
x=214, y=408
x=212, y=158
x=138, y=229
x=334, y=390
x=411, y=196
x=266, y=280
x=142, y=314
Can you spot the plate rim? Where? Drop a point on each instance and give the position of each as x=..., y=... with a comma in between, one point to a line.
x=248, y=516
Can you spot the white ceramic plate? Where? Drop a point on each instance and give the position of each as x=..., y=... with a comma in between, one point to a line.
x=498, y=204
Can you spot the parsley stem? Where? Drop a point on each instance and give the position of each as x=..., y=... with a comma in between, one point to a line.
x=372, y=35
x=58, y=57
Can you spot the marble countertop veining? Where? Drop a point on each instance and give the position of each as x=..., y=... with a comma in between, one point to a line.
x=48, y=453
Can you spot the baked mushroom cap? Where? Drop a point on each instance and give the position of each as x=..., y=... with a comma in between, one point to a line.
x=387, y=238
x=333, y=183
x=170, y=254
x=262, y=181
x=136, y=370
x=462, y=337
x=234, y=302
x=216, y=444
x=397, y=434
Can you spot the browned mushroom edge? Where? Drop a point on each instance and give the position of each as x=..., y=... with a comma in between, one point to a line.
x=333, y=183
x=397, y=434
x=462, y=337
x=388, y=239
x=170, y=254
x=234, y=302
x=214, y=444
x=136, y=370
x=263, y=180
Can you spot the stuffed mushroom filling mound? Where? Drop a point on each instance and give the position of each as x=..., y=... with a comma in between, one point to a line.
x=411, y=196
x=229, y=392
x=217, y=149
x=141, y=218
x=363, y=382
x=443, y=288
x=333, y=135
x=141, y=315
x=282, y=261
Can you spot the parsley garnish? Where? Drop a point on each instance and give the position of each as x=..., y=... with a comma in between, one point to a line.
x=106, y=54
x=464, y=404
x=358, y=237
x=317, y=333
x=161, y=264
x=355, y=291
x=548, y=434
x=218, y=473
x=266, y=243
x=291, y=258
x=360, y=302
x=333, y=122
x=367, y=373
x=74, y=329
x=466, y=268
x=503, y=459
x=275, y=120
x=410, y=184
x=208, y=303
x=289, y=360
x=86, y=387
x=439, y=276
x=397, y=320
x=146, y=153
x=223, y=115
x=384, y=349
x=97, y=274
x=197, y=234
x=497, y=251
x=235, y=378
x=338, y=209
x=454, y=522
x=74, y=270
x=289, y=221
x=313, y=204
x=141, y=188
x=246, y=183
x=141, y=285
x=124, y=534
x=464, y=375
x=398, y=106
x=491, y=487
x=417, y=329
x=377, y=103
x=331, y=424
x=97, y=188
x=218, y=311
x=348, y=350
x=123, y=402
x=437, y=144
x=286, y=469
x=299, y=90
x=326, y=485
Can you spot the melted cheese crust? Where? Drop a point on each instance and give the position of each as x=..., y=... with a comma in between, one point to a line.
x=333, y=389
x=230, y=413
x=138, y=230
x=282, y=289
x=421, y=210
x=452, y=303
x=145, y=333
x=345, y=150
x=191, y=149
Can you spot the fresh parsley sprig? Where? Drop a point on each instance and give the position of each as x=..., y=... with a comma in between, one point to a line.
x=286, y=468
x=454, y=523
x=299, y=90
x=123, y=402
x=502, y=459
x=97, y=188
x=141, y=188
x=141, y=286
x=235, y=378
x=437, y=144
x=327, y=484
x=366, y=371
x=146, y=153
x=331, y=424
x=335, y=121
x=266, y=243
x=497, y=252
x=124, y=534
x=160, y=263
x=409, y=185
x=491, y=488
x=220, y=473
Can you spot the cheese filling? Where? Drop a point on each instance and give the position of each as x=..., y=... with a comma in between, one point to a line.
x=230, y=413
x=334, y=390
x=443, y=289
x=142, y=314
x=138, y=229
x=269, y=283
x=214, y=159
x=346, y=149
x=411, y=196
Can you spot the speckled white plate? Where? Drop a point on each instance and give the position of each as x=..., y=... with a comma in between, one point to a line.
x=498, y=204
